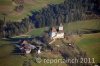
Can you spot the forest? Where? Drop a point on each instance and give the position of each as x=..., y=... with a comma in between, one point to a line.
x=52, y=15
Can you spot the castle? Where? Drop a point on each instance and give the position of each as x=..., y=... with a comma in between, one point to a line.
x=54, y=34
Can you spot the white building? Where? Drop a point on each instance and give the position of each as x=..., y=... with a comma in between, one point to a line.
x=54, y=34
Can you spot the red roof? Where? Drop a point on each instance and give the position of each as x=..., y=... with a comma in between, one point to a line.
x=54, y=29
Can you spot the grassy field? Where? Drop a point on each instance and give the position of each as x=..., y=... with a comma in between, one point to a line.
x=83, y=25
x=7, y=6
x=90, y=43
x=36, y=32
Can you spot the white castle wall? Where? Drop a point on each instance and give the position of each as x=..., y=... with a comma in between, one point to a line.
x=53, y=34
x=59, y=35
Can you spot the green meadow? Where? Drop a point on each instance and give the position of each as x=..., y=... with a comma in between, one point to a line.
x=84, y=25
x=37, y=32
x=7, y=7
x=90, y=43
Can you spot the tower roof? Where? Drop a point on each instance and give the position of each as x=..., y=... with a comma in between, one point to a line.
x=61, y=28
x=61, y=24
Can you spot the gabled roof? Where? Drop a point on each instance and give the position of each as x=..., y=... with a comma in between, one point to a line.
x=54, y=29
x=24, y=42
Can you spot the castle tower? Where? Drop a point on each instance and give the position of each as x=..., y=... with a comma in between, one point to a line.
x=61, y=27
x=60, y=32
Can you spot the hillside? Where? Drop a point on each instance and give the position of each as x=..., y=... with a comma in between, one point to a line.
x=30, y=14
x=89, y=43
x=16, y=10
x=74, y=27
x=7, y=58
x=27, y=25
